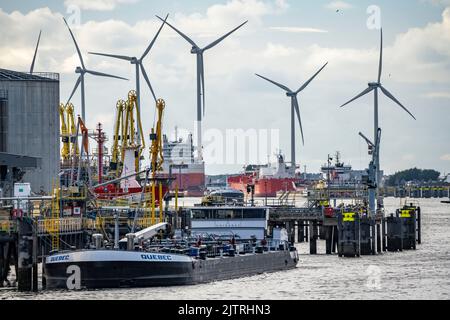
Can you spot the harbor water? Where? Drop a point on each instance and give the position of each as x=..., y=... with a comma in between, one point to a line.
x=421, y=274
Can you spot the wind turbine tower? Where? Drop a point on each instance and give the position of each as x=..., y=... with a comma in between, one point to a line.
x=200, y=77
x=295, y=110
x=138, y=62
x=375, y=87
x=82, y=71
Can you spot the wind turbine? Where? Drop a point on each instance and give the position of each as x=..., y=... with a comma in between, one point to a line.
x=200, y=76
x=35, y=53
x=295, y=109
x=374, y=86
x=139, y=66
x=82, y=71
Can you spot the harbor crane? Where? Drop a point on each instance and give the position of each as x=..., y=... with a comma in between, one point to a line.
x=128, y=134
x=65, y=151
x=374, y=148
x=133, y=137
x=156, y=150
x=115, y=165
x=156, y=163
x=68, y=132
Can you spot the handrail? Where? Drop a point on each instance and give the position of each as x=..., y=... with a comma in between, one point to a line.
x=62, y=225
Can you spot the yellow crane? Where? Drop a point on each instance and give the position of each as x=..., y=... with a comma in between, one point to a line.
x=65, y=151
x=130, y=137
x=156, y=149
x=119, y=129
x=72, y=129
x=127, y=126
x=68, y=132
x=157, y=159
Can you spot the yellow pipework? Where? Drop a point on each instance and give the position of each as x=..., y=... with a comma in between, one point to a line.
x=153, y=202
x=160, y=203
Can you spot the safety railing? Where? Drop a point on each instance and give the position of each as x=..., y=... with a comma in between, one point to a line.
x=47, y=75
x=144, y=222
x=63, y=225
x=100, y=223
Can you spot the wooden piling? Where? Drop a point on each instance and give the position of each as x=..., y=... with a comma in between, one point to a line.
x=383, y=233
x=25, y=257
x=419, y=226
x=335, y=239
x=373, y=237
x=35, y=258
x=306, y=228
x=378, y=231
x=329, y=239
x=44, y=280
x=313, y=235
x=2, y=263
x=301, y=232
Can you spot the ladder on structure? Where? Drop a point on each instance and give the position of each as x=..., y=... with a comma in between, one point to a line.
x=55, y=218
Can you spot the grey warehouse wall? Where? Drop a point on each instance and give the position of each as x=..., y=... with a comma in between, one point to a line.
x=33, y=127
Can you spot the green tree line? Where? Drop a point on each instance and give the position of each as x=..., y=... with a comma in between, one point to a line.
x=415, y=174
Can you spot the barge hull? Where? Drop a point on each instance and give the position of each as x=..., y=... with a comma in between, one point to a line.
x=181, y=270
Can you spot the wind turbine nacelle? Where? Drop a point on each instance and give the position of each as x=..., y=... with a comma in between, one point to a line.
x=374, y=84
x=195, y=50
x=78, y=70
x=290, y=94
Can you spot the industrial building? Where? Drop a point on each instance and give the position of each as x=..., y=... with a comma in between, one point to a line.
x=29, y=123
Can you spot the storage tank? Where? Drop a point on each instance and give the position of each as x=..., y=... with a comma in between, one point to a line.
x=29, y=122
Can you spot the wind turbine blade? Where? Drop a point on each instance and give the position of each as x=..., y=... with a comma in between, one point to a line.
x=179, y=32
x=312, y=78
x=369, y=89
x=76, y=45
x=100, y=74
x=389, y=95
x=112, y=56
x=297, y=111
x=74, y=89
x=213, y=44
x=202, y=73
x=154, y=39
x=380, y=68
x=144, y=73
x=35, y=53
x=275, y=83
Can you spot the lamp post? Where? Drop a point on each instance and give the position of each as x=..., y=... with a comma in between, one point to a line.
x=265, y=188
x=328, y=175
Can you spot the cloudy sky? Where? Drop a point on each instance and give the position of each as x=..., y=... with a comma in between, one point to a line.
x=285, y=40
